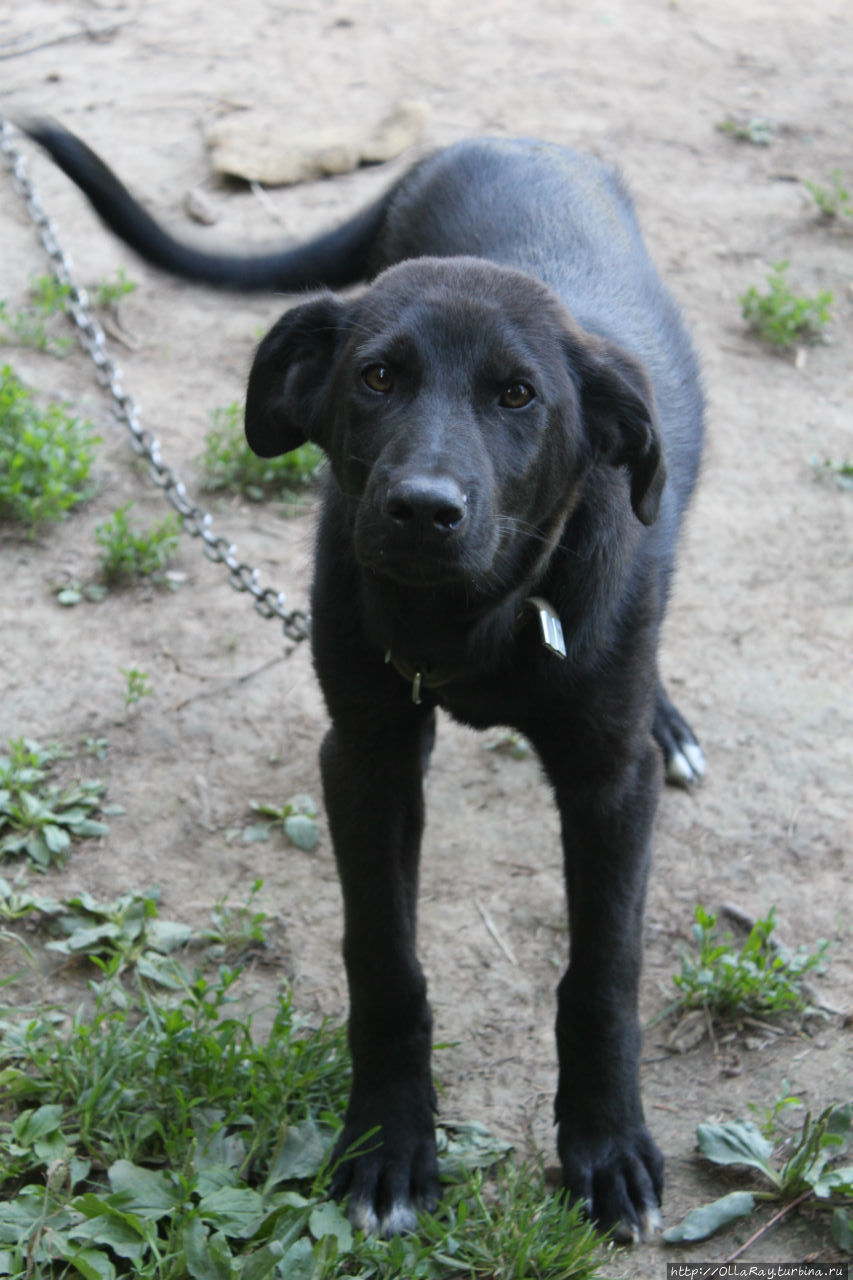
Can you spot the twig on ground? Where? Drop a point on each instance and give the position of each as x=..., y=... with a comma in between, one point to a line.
x=777, y=1217
x=65, y=37
x=492, y=928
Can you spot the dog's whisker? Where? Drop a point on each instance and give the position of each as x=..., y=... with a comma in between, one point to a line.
x=515, y=527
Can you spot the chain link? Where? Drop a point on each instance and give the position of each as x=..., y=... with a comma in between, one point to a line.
x=196, y=521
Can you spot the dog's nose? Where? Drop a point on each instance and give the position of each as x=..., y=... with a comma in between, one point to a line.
x=430, y=504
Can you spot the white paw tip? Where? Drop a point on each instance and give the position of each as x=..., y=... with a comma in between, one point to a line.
x=630, y=1233
x=687, y=766
x=678, y=769
x=400, y=1218
x=363, y=1217
x=650, y=1223
x=695, y=758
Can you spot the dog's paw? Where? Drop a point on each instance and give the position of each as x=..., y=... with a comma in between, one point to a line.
x=619, y=1181
x=388, y=1178
x=684, y=760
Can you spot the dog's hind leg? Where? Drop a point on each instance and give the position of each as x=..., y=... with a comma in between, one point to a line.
x=684, y=759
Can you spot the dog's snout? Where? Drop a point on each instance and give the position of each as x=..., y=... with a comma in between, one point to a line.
x=430, y=504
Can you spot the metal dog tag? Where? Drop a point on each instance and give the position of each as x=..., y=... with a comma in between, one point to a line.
x=550, y=627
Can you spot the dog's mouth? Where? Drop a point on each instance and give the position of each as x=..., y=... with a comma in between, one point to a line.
x=420, y=570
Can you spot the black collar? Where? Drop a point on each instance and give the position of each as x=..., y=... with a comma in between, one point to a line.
x=422, y=676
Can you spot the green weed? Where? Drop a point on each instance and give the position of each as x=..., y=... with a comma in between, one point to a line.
x=505, y=1227
x=168, y=1141
x=780, y=316
x=768, y=1123
x=113, y=936
x=792, y=1173
x=754, y=129
x=758, y=978
x=834, y=201
x=71, y=593
x=129, y=933
x=237, y=931
x=109, y=293
x=40, y=818
x=229, y=463
x=29, y=327
x=45, y=457
x=137, y=685
x=127, y=554
x=49, y=295
x=297, y=816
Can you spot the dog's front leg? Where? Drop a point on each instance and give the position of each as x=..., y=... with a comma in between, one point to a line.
x=372, y=780
x=610, y=1162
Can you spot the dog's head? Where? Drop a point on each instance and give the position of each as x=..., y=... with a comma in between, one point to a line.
x=461, y=409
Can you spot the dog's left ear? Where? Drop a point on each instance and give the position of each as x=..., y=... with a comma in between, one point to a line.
x=617, y=403
x=289, y=376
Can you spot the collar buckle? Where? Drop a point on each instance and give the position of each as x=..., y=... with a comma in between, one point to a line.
x=550, y=633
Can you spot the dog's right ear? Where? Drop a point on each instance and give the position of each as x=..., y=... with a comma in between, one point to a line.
x=289, y=376
x=618, y=405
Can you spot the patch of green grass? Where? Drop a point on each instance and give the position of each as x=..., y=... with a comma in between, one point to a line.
x=127, y=554
x=833, y=201
x=129, y=933
x=506, y=1227
x=114, y=936
x=29, y=326
x=39, y=818
x=46, y=457
x=757, y=979
x=169, y=1141
x=229, y=463
x=238, y=931
x=780, y=316
x=49, y=295
x=794, y=1172
x=109, y=293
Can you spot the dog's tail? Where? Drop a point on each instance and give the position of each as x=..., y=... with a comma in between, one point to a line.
x=335, y=259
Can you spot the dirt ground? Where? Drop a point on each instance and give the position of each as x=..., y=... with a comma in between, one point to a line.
x=759, y=638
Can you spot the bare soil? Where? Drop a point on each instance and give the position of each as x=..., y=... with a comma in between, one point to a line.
x=759, y=639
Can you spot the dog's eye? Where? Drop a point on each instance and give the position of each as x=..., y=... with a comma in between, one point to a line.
x=378, y=378
x=516, y=395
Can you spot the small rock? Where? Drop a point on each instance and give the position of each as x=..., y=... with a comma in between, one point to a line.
x=396, y=131
x=259, y=151
x=198, y=207
x=689, y=1031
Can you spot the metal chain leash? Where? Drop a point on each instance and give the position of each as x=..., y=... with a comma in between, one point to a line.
x=197, y=522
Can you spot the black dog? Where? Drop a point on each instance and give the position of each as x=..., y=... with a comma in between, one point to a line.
x=513, y=419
